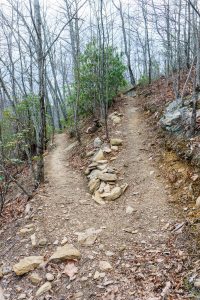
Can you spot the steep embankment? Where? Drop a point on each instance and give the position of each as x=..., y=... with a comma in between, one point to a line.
x=129, y=254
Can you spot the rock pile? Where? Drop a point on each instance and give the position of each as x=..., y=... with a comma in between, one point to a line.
x=101, y=176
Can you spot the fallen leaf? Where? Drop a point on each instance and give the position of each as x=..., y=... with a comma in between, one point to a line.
x=71, y=270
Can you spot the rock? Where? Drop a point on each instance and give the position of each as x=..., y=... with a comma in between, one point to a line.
x=25, y=230
x=101, y=188
x=99, y=156
x=64, y=241
x=177, y=116
x=107, y=176
x=106, y=149
x=113, y=195
x=94, y=185
x=43, y=289
x=99, y=275
x=104, y=265
x=49, y=277
x=1, y=273
x=97, y=142
x=65, y=252
x=116, y=142
x=27, y=264
x=87, y=171
x=22, y=296
x=103, y=162
x=102, y=167
x=88, y=237
x=90, y=153
x=116, y=120
x=97, y=198
x=56, y=242
x=42, y=242
x=96, y=275
x=114, y=148
x=109, y=253
x=78, y=296
x=124, y=187
x=6, y=270
x=94, y=174
x=129, y=210
x=198, y=202
x=1, y=294
x=197, y=283
x=93, y=166
x=35, y=278
x=33, y=240
x=107, y=188
x=27, y=210
x=71, y=146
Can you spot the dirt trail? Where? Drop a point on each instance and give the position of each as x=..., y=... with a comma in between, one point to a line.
x=136, y=245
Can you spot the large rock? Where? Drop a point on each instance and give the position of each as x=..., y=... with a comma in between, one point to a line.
x=27, y=264
x=113, y=195
x=177, y=117
x=43, y=289
x=116, y=142
x=93, y=185
x=99, y=156
x=65, y=252
x=107, y=177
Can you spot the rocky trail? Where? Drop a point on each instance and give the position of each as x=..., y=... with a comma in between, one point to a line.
x=122, y=249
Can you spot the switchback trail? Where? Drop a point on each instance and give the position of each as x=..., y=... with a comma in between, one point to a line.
x=138, y=245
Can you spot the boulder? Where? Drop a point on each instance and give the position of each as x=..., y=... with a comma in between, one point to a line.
x=116, y=142
x=94, y=185
x=113, y=195
x=65, y=252
x=176, y=117
x=43, y=289
x=27, y=264
x=99, y=156
x=107, y=177
x=97, y=142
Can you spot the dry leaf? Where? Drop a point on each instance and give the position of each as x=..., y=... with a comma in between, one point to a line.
x=71, y=270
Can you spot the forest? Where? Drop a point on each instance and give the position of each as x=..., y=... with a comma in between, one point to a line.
x=70, y=63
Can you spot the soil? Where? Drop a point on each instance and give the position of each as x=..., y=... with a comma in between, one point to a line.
x=148, y=261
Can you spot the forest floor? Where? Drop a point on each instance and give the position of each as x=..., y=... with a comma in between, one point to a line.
x=137, y=254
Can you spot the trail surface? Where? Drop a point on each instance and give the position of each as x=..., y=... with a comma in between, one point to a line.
x=138, y=246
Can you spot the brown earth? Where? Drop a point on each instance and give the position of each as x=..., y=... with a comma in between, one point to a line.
x=147, y=261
